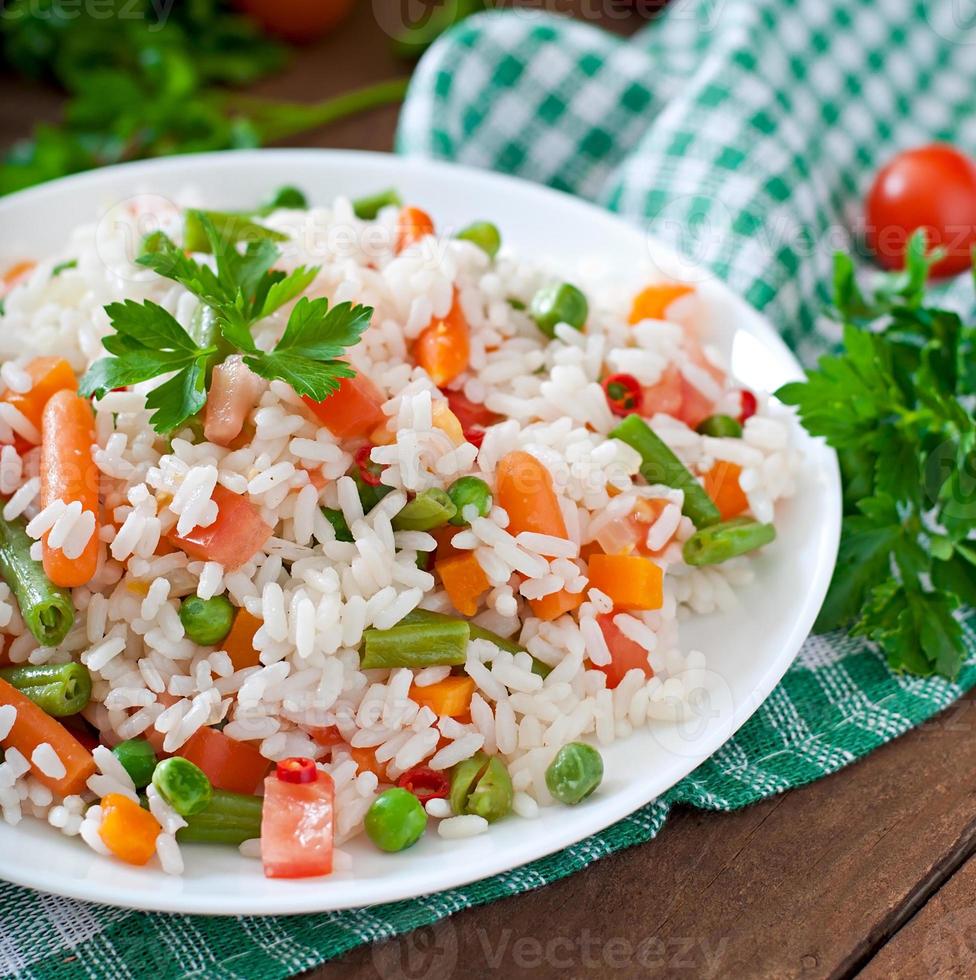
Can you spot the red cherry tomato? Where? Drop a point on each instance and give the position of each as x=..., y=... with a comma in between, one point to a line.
x=299, y=21
x=931, y=187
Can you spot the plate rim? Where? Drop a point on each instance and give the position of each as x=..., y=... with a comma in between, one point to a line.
x=301, y=899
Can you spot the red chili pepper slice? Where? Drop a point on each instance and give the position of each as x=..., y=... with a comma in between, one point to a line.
x=368, y=470
x=425, y=783
x=748, y=404
x=475, y=436
x=297, y=770
x=624, y=393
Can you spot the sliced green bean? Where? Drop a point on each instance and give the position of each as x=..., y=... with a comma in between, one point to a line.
x=428, y=510
x=284, y=197
x=338, y=521
x=428, y=644
x=370, y=206
x=660, y=465
x=138, y=759
x=229, y=818
x=721, y=427
x=483, y=234
x=47, y=609
x=57, y=689
x=720, y=542
x=234, y=227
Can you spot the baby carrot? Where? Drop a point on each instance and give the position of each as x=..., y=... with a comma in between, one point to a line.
x=68, y=473
x=48, y=375
x=412, y=225
x=33, y=727
x=523, y=487
x=444, y=347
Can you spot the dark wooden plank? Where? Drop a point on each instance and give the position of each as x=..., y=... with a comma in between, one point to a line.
x=809, y=884
x=940, y=941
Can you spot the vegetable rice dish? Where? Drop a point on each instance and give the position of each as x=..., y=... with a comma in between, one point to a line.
x=320, y=521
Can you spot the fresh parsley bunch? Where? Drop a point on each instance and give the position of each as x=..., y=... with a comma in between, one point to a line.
x=148, y=342
x=897, y=405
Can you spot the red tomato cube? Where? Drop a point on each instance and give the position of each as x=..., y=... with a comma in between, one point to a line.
x=297, y=827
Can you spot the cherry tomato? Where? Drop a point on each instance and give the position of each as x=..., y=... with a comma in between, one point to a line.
x=931, y=187
x=299, y=21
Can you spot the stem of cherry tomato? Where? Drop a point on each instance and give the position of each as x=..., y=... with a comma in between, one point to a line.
x=624, y=393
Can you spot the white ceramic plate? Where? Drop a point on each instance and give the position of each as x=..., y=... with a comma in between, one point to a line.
x=748, y=651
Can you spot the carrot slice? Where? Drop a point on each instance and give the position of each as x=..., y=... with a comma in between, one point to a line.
x=443, y=348
x=69, y=474
x=464, y=579
x=554, y=605
x=365, y=759
x=16, y=274
x=523, y=487
x=451, y=696
x=632, y=582
x=412, y=225
x=127, y=830
x=32, y=728
x=239, y=642
x=652, y=302
x=722, y=485
x=49, y=375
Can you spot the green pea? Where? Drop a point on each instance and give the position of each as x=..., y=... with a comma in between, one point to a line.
x=182, y=785
x=285, y=197
x=720, y=426
x=482, y=785
x=558, y=303
x=466, y=492
x=575, y=773
x=483, y=234
x=138, y=759
x=396, y=820
x=207, y=621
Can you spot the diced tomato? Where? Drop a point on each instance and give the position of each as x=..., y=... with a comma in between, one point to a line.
x=470, y=414
x=297, y=827
x=625, y=653
x=353, y=410
x=237, y=767
x=695, y=407
x=327, y=736
x=665, y=396
x=233, y=539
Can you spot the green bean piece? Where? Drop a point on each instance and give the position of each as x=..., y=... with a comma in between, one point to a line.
x=229, y=818
x=483, y=234
x=284, y=197
x=469, y=491
x=338, y=521
x=234, y=227
x=207, y=621
x=428, y=510
x=182, y=785
x=574, y=773
x=138, y=760
x=559, y=303
x=396, y=820
x=477, y=633
x=481, y=785
x=721, y=427
x=63, y=267
x=370, y=206
x=58, y=690
x=370, y=494
x=47, y=609
x=660, y=465
x=416, y=645
x=720, y=542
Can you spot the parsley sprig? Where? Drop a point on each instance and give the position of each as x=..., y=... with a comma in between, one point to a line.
x=148, y=342
x=897, y=405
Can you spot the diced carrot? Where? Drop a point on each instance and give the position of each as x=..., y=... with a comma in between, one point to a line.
x=233, y=539
x=127, y=830
x=237, y=767
x=49, y=375
x=554, y=605
x=722, y=485
x=16, y=274
x=632, y=582
x=353, y=410
x=523, y=487
x=33, y=727
x=444, y=536
x=412, y=225
x=451, y=696
x=69, y=474
x=652, y=302
x=239, y=642
x=443, y=349
x=464, y=579
x=365, y=759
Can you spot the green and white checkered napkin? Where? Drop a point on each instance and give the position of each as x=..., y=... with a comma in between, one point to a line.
x=745, y=131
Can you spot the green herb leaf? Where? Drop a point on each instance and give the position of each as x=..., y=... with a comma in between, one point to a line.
x=179, y=398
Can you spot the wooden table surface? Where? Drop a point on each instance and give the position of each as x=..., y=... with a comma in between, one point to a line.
x=868, y=872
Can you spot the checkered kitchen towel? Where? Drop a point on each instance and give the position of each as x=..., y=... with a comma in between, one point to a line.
x=745, y=131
